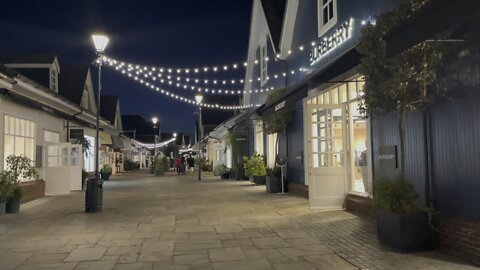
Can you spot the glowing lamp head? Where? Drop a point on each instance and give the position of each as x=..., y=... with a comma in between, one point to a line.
x=100, y=42
x=154, y=120
x=175, y=135
x=198, y=98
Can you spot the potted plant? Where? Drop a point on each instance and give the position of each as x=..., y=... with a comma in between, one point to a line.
x=255, y=168
x=160, y=166
x=5, y=191
x=105, y=172
x=18, y=168
x=401, y=223
x=222, y=171
x=273, y=180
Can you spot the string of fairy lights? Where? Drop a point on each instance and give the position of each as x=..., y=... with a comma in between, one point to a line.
x=144, y=74
x=181, y=78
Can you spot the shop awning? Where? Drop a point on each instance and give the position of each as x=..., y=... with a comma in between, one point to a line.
x=117, y=142
x=127, y=144
x=340, y=65
x=105, y=138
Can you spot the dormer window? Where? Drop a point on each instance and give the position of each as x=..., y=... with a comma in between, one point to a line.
x=327, y=15
x=53, y=80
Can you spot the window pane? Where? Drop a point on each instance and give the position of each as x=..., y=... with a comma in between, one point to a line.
x=325, y=15
x=334, y=96
x=19, y=146
x=6, y=125
x=17, y=126
x=52, y=161
x=352, y=90
x=330, y=10
x=9, y=148
x=12, y=126
x=52, y=150
x=343, y=93
x=29, y=148
x=22, y=127
x=32, y=128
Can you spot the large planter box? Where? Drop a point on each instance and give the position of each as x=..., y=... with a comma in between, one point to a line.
x=274, y=184
x=259, y=180
x=240, y=174
x=225, y=175
x=406, y=233
x=105, y=176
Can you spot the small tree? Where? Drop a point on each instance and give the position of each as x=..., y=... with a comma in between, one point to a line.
x=400, y=82
x=279, y=121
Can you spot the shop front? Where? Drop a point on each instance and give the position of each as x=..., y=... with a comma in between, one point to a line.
x=338, y=144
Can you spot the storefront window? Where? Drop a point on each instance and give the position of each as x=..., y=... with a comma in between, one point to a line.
x=271, y=154
x=258, y=143
x=339, y=124
x=19, y=138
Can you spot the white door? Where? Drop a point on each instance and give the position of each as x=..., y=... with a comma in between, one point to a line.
x=63, y=168
x=327, y=172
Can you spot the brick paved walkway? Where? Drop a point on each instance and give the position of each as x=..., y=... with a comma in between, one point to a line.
x=176, y=222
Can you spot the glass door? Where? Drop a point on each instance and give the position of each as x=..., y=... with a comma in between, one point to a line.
x=326, y=127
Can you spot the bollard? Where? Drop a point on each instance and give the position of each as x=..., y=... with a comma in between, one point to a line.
x=93, y=195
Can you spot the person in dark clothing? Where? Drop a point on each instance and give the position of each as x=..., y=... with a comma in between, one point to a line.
x=191, y=163
x=182, y=164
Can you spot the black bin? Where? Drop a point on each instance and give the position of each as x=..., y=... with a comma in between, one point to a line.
x=93, y=196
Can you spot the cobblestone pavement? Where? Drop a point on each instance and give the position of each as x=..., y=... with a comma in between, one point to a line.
x=177, y=222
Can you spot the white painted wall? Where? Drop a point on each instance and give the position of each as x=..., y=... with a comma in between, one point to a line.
x=43, y=121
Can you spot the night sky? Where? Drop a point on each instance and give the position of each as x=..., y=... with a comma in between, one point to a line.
x=177, y=33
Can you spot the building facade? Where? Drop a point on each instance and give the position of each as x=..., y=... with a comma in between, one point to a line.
x=308, y=48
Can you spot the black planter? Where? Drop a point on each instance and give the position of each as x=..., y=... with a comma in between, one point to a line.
x=13, y=206
x=406, y=233
x=225, y=175
x=105, y=176
x=259, y=180
x=240, y=174
x=274, y=185
x=3, y=206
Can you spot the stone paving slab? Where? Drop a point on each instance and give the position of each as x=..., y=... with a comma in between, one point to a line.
x=187, y=224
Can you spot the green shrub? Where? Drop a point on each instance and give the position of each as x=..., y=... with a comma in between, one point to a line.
x=395, y=195
x=18, y=168
x=220, y=169
x=129, y=165
x=274, y=172
x=106, y=169
x=255, y=165
x=160, y=166
x=6, y=187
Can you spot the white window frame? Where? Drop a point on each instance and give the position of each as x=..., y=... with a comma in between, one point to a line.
x=263, y=62
x=259, y=137
x=324, y=27
x=29, y=133
x=53, y=79
x=51, y=136
x=271, y=151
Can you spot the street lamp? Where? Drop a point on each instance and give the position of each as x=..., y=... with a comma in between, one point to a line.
x=199, y=99
x=154, y=121
x=94, y=192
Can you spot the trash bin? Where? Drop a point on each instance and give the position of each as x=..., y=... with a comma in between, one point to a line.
x=94, y=195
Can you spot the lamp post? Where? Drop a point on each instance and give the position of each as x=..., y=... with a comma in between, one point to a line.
x=94, y=191
x=199, y=99
x=154, y=121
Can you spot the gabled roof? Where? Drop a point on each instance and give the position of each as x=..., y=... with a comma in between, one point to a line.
x=72, y=82
x=274, y=13
x=108, y=107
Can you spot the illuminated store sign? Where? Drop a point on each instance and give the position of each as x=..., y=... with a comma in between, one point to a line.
x=329, y=43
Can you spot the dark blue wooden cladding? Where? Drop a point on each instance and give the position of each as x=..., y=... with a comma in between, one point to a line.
x=385, y=133
x=455, y=141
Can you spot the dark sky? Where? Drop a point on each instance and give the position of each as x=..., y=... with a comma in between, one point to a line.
x=177, y=33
